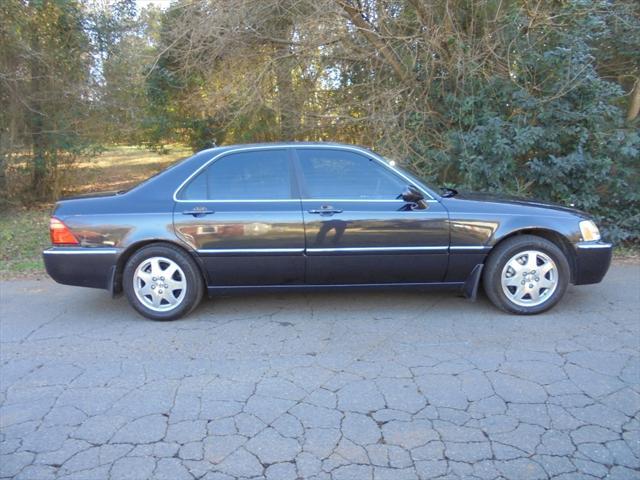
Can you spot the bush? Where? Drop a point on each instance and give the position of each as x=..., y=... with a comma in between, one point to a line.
x=552, y=129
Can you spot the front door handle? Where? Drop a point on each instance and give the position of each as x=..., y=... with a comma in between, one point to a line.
x=198, y=212
x=326, y=211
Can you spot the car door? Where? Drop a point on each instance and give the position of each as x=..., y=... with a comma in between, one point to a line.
x=358, y=230
x=243, y=217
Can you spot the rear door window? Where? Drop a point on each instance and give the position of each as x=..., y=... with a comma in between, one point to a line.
x=251, y=175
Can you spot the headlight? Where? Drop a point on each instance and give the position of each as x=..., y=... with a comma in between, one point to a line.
x=589, y=231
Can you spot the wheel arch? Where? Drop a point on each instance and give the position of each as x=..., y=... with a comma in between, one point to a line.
x=123, y=258
x=553, y=236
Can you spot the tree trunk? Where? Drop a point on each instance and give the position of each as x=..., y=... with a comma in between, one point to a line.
x=284, y=64
x=634, y=102
x=3, y=173
x=39, y=150
x=36, y=120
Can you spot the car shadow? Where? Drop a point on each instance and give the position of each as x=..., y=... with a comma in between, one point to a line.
x=94, y=304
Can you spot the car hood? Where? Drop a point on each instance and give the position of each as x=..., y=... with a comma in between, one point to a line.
x=517, y=201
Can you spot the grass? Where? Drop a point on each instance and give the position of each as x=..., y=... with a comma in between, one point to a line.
x=627, y=253
x=24, y=233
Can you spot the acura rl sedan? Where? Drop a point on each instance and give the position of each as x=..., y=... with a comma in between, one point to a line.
x=309, y=216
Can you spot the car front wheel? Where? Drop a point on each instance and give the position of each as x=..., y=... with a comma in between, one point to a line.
x=526, y=275
x=162, y=282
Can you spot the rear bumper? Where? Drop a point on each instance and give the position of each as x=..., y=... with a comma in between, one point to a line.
x=592, y=262
x=82, y=267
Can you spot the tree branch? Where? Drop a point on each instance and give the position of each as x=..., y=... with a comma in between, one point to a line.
x=355, y=15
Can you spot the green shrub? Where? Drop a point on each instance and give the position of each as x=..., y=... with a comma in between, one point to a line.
x=553, y=129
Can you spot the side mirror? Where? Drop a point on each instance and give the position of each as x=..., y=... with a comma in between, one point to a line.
x=412, y=195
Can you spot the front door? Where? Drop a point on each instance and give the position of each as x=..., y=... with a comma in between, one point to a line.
x=357, y=229
x=244, y=219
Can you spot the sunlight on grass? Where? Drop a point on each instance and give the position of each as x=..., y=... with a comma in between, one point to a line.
x=119, y=168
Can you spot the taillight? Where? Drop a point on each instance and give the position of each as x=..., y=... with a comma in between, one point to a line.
x=60, y=233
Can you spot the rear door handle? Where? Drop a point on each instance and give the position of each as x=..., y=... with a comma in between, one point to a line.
x=198, y=212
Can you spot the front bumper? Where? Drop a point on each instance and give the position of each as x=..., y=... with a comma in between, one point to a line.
x=592, y=262
x=80, y=266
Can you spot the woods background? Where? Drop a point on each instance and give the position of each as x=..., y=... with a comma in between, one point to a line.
x=536, y=98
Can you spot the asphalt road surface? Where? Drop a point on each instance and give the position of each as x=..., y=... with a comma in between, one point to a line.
x=320, y=386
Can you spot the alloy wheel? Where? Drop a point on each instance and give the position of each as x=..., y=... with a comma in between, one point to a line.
x=159, y=284
x=529, y=278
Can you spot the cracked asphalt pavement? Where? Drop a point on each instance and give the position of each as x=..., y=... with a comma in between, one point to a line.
x=385, y=385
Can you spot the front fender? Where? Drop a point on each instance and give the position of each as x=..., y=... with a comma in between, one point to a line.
x=567, y=227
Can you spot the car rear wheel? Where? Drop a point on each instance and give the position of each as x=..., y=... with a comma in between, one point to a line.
x=162, y=282
x=526, y=275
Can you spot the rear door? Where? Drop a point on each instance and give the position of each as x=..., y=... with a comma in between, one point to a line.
x=358, y=230
x=242, y=215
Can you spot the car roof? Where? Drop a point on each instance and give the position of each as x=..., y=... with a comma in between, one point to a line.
x=294, y=143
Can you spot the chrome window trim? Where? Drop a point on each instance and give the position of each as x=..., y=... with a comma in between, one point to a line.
x=79, y=250
x=361, y=200
x=428, y=196
x=291, y=200
x=275, y=200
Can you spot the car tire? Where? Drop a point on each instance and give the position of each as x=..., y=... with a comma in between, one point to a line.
x=162, y=282
x=526, y=275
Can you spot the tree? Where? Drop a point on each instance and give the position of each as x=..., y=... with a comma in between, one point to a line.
x=123, y=43
x=45, y=70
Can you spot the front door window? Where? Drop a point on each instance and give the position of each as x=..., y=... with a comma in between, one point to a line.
x=342, y=174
